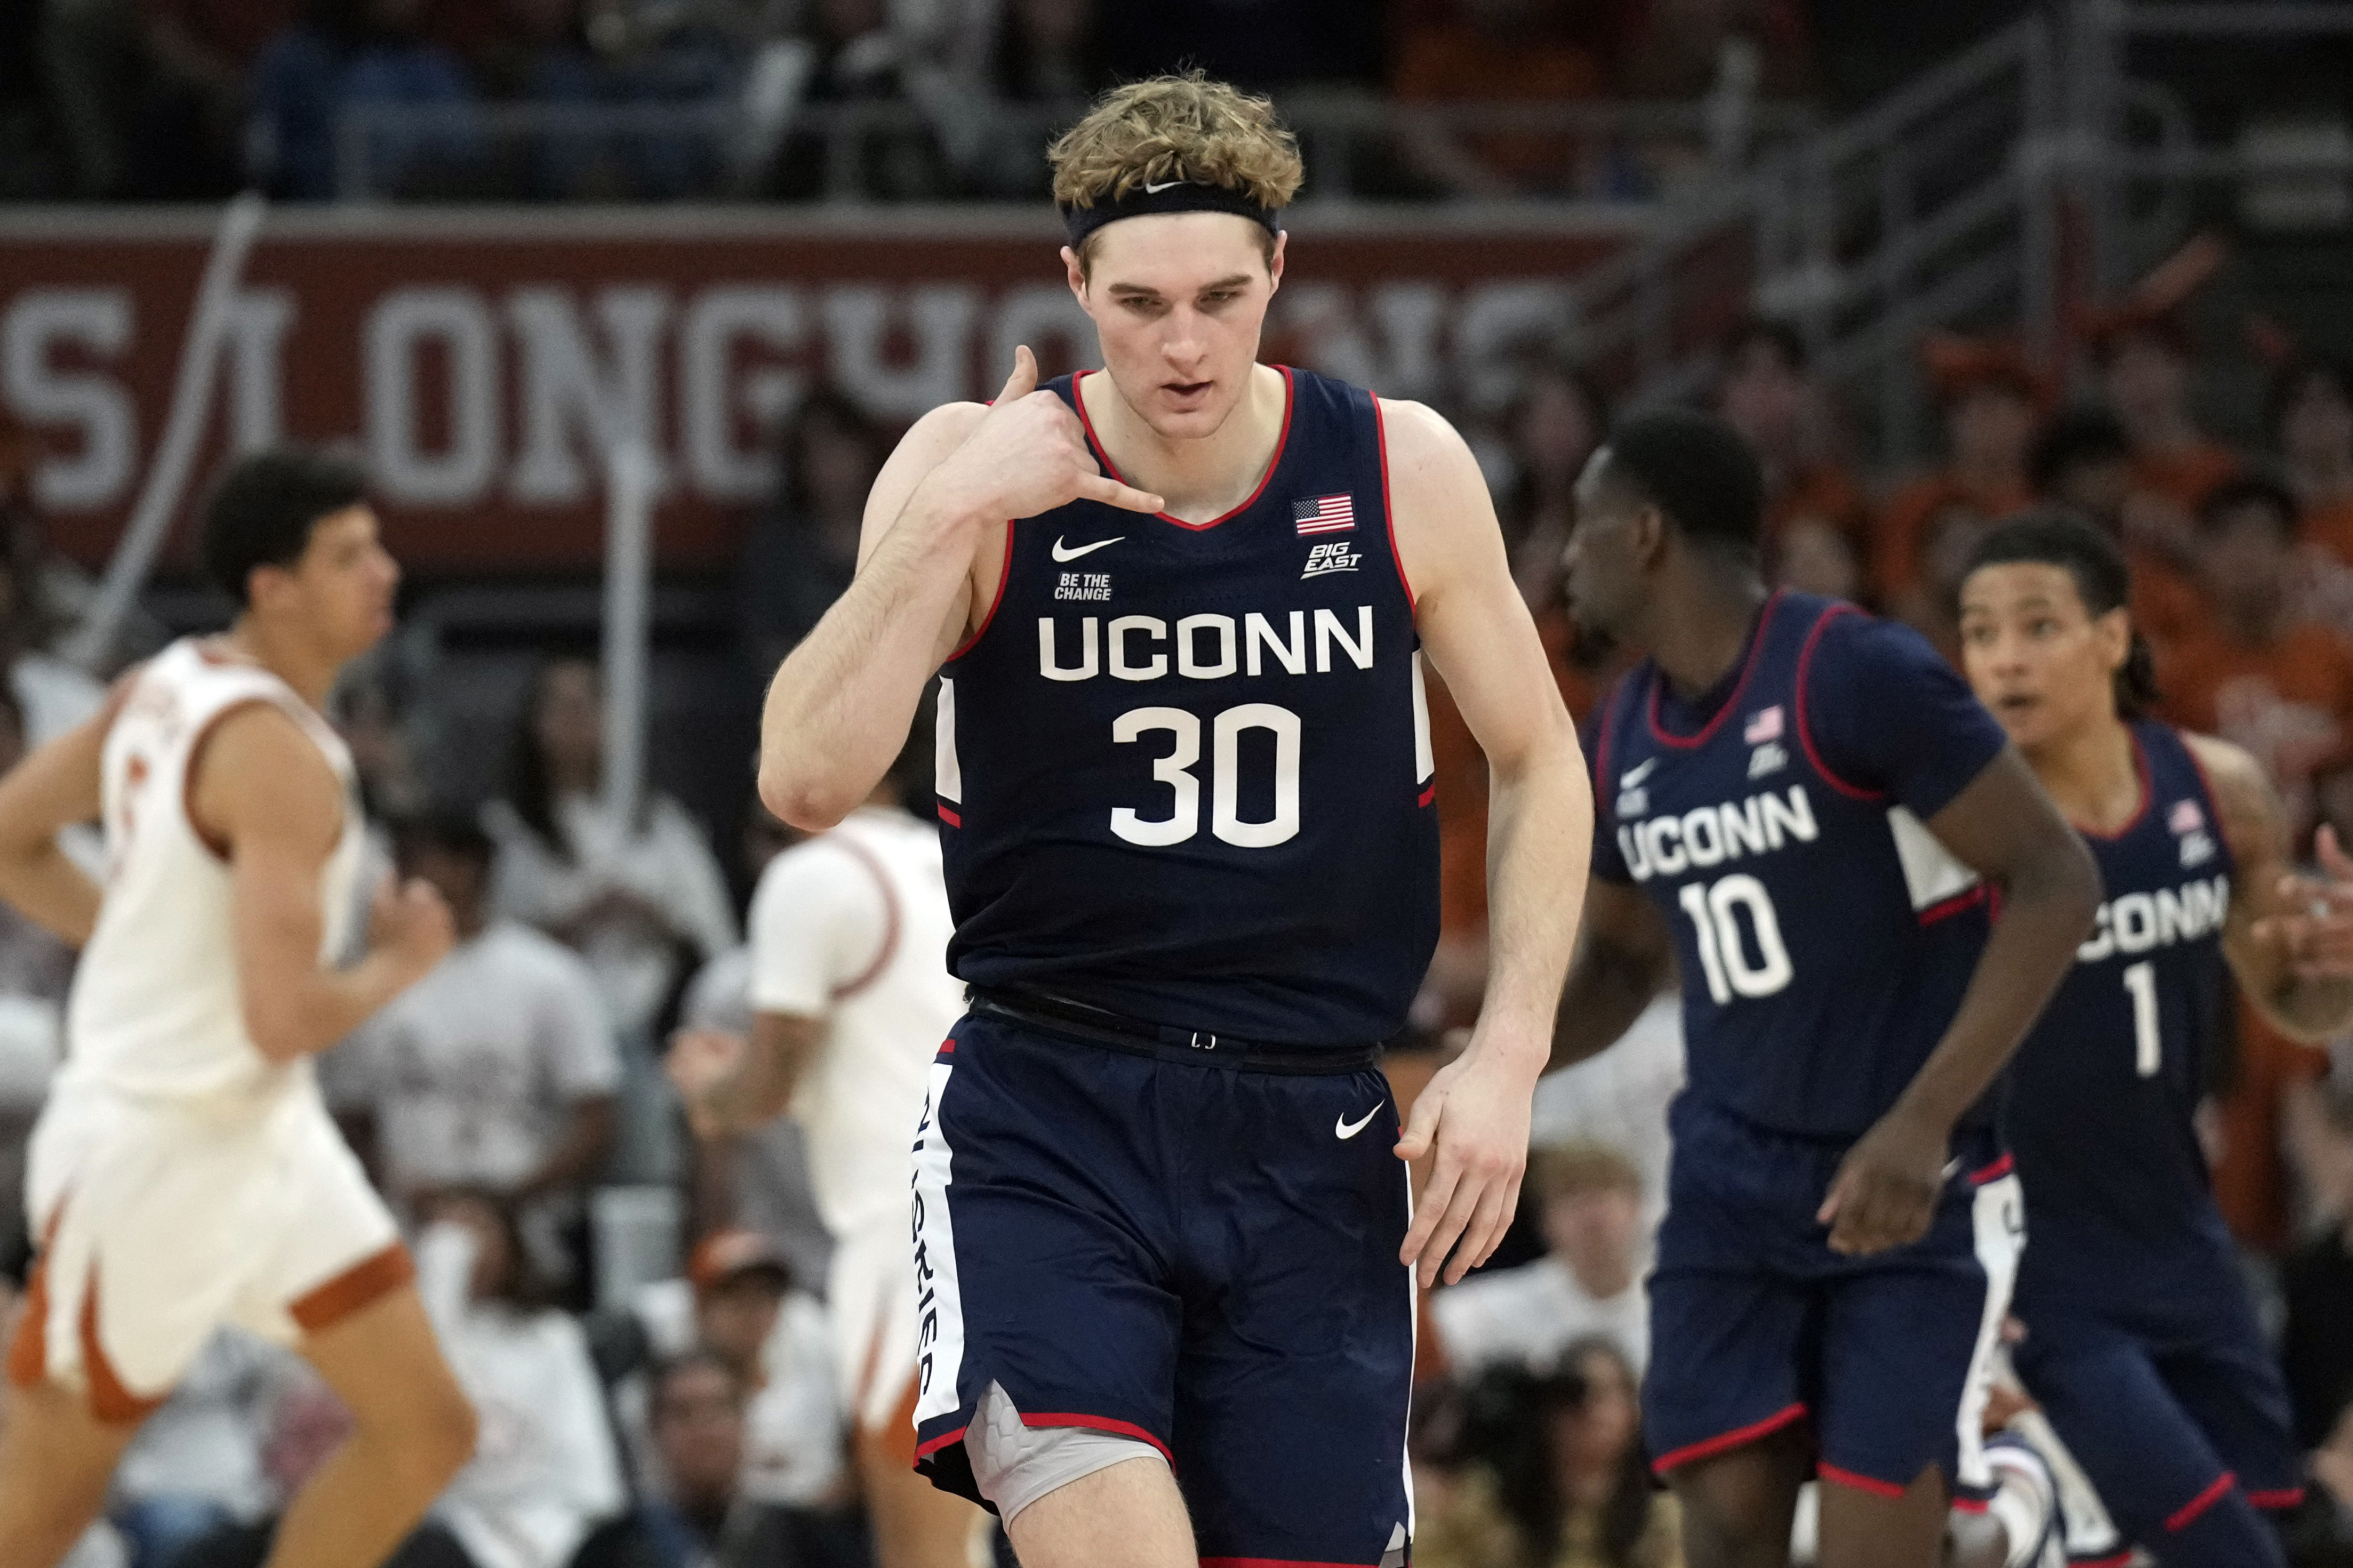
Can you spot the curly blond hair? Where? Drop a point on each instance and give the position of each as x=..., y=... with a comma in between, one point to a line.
x=1182, y=126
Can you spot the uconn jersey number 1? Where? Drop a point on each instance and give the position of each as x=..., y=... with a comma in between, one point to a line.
x=1183, y=768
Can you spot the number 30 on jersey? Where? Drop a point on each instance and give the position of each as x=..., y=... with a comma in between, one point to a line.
x=1176, y=770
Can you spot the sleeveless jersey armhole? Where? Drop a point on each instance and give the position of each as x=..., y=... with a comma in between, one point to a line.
x=1388, y=510
x=198, y=744
x=1004, y=576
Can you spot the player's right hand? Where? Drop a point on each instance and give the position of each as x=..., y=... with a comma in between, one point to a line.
x=1029, y=455
x=410, y=925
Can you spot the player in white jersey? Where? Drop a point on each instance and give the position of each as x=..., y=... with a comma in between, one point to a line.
x=184, y=1173
x=851, y=999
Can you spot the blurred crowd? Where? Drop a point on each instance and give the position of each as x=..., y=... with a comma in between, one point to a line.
x=640, y=1316
x=179, y=100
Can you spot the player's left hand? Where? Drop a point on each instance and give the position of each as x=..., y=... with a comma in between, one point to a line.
x=2313, y=927
x=1475, y=1115
x=698, y=1061
x=1885, y=1191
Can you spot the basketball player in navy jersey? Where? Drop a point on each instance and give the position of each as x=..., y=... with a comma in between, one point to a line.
x=2141, y=1346
x=1185, y=792
x=1805, y=809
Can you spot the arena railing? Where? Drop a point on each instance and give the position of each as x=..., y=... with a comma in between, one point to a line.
x=1359, y=147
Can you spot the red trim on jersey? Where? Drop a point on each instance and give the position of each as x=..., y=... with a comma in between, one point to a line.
x=890, y=948
x=196, y=759
x=947, y=1047
x=1861, y=1483
x=2121, y=1559
x=1954, y=905
x=2187, y=1514
x=1282, y=440
x=1101, y=1424
x=2284, y=1496
x=1388, y=512
x=1004, y=576
x=1805, y=735
x=1724, y=1441
x=1968, y=1505
x=1708, y=730
x=925, y=1450
x=949, y=815
x=1995, y=1171
x=1427, y=794
x=2148, y=794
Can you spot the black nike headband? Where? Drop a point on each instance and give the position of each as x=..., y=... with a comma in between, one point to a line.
x=1175, y=197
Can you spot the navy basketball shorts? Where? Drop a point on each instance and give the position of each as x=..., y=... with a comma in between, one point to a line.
x=2169, y=1403
x=1756, y=1325
x=1202, y=1257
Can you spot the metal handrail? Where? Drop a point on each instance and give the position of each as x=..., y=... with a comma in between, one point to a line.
x=839, y=126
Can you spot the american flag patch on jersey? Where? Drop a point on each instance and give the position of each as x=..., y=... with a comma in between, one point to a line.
x=1324, y=514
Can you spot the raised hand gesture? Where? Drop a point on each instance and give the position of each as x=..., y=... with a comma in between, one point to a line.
x=1029, y=456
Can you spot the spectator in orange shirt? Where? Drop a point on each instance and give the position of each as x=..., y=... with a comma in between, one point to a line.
x=2084, y=462
x=1816, y=519
x=1501, y=52
x=1930, y=604
x=1993, y=404
x=2146, y=359
x=1553, y=426
x=2311, y=420
x=2254, y=673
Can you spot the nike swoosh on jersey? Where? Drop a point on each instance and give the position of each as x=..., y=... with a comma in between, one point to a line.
x=1072, y=552
x=1342, y=1127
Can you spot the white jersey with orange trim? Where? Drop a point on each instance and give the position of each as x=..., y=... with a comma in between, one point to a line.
x=852, y=928
x=156, y=1012
x=178, y=1179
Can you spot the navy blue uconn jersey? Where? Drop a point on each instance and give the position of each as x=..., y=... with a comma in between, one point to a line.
x=1184, y=769
x=1824, y=935
x=2102, y=1095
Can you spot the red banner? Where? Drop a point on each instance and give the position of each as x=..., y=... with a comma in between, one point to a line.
x=482, y=363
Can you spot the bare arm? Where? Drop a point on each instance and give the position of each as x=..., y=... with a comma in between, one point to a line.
x=840, y=706
x=1624, y=957
x=263, y=789
x=588, y=1133
x=54, y=788
x=733, y=1085
x=2005, y=828
x=2289, y=939
x=1476, y=631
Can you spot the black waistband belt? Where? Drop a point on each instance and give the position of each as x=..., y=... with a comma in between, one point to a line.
x=1069, y=1020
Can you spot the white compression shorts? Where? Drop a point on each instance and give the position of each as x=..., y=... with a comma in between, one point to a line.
x=1015, y=1465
